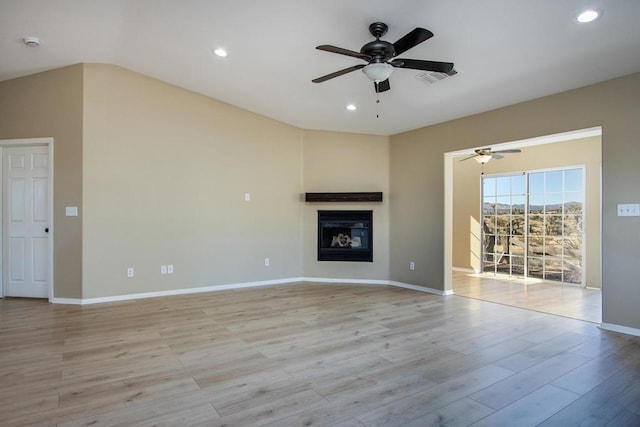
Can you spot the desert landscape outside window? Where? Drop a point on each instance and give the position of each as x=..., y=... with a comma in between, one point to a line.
x=533, y=224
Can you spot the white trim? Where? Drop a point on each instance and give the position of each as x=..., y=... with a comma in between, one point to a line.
x=465, y=270
x=348, y=281
x=421, y=288
x=231, y=286
x=48, y=141
x=71, y=301
x=621, y=329
x=448, y=223
x=127, y=297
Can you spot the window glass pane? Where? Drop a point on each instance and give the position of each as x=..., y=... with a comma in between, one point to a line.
x=535, y=267
x=573, y=248
x=504, y=185
x=504, y=205
x=517, y=204
x=489, y=186
x=517, y=246
x=553, y=182
x=553, y=269
x=573, y=180
x=553, y=225
x=489, y=206
x=536, y=203
x=503, y=265
x=536, y=246
x=517, y=225
x=572, y=225
x=518, y=184
x=517, y=265
x=503, y=224
x=489, y=224
x=536, y=182
x=489, y=243
x=553, y=247
x=572, y=271
x=553, y=203
x=574, y=197
x=536, y=225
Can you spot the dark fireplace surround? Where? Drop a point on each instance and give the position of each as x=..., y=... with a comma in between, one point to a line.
x=345, y=235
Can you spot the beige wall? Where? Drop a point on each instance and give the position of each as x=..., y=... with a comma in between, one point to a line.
x=165, y=176
x=466, y=196
x=417, y=182
x=342, y=162
x=50, y=105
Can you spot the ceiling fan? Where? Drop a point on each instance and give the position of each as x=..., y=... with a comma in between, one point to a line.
x=380, y=57
x=483, y=155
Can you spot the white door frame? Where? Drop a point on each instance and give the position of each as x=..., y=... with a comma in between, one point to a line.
x=48, y=142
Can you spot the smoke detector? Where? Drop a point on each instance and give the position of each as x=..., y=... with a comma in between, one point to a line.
x=31, y=41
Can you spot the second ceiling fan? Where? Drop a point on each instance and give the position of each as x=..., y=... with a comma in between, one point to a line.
x=380, y=57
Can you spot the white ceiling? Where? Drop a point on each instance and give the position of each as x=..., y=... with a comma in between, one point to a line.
x=506, y=51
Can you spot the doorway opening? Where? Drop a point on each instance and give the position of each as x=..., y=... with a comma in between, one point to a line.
x=468, y=257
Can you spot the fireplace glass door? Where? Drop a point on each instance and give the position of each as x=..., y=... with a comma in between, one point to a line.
x=345, y=236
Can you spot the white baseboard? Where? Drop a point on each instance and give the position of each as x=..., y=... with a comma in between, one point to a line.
x=464, y=270
x=619, y=328
x=128, y=297
x=71, y=301
x=420, y=288
x=348, y=281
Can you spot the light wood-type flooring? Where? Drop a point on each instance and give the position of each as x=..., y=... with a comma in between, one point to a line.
x=532, y=294
x=311, y=355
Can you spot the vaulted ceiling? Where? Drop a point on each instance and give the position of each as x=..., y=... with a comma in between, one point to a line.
x=505, y=51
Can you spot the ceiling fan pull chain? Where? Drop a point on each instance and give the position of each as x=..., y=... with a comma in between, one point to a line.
x=377, y=99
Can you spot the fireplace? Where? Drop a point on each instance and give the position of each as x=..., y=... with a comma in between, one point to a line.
x=345, y=236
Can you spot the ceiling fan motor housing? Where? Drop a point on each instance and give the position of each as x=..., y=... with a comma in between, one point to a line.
x=379, y=50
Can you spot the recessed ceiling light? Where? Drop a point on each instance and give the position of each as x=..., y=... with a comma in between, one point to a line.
x=351, y=107
x=220, y=52
x=588, y=16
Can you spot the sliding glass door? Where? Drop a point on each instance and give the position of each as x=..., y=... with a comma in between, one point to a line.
x=533, y=224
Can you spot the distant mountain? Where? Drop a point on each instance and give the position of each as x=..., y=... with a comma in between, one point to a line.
x=504, y=208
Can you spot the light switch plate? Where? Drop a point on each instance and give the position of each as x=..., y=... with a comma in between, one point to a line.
x=71, y=211
x=629, y=209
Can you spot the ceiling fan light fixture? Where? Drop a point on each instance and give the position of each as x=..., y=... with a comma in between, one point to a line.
x=483, y=158
x=378, y=71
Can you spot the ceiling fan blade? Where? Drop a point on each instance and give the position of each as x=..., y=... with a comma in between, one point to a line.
x=341, y=51
x=468, y=157
x=337, y=73
x=516, y=150
x=383, y=86
x=496, y=156
x=417, y=64
x=411, y=39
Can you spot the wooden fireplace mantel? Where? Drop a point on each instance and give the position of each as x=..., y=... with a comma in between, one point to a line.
x=344, y=197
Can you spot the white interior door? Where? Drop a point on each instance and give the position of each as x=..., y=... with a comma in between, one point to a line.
x=26, y=221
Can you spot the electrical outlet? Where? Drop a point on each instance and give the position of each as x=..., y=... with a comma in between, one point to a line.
x=170, y=269
x=163, y=269
x=266, y=262
x=130, y=272
x=412, y=265
x=247, y=197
